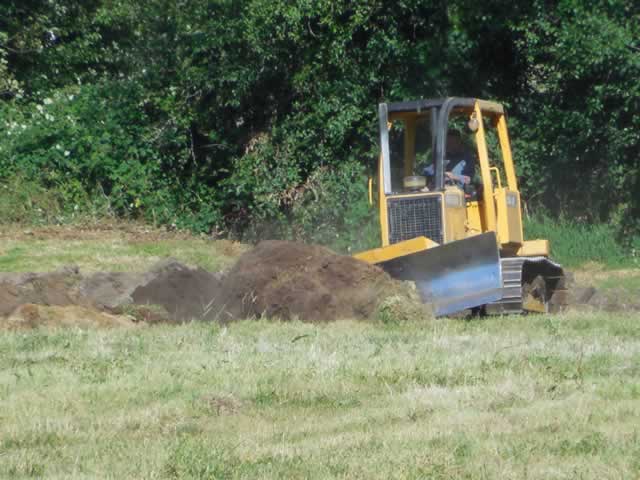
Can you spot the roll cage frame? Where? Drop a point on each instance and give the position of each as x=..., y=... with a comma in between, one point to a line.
x=441, y=110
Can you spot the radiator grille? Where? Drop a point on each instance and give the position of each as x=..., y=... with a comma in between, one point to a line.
x=414, y=217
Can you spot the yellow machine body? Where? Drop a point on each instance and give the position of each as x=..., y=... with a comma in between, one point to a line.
x=499, y=209
x=496, y=209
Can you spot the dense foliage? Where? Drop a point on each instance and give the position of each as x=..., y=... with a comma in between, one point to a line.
x=258, y=117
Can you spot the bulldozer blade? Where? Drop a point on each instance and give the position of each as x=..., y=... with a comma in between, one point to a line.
x=455, y=276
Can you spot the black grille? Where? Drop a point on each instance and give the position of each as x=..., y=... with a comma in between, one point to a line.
x=414, y=217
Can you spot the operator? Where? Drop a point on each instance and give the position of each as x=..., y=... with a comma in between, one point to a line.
x=459, y=164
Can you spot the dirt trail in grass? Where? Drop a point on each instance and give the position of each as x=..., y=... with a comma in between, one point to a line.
x=278, y=279
x=133, y=232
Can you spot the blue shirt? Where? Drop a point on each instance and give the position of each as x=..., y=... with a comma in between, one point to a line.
x=458, y=170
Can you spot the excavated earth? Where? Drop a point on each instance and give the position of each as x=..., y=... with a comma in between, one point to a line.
x=276, y=279
x=287, y=279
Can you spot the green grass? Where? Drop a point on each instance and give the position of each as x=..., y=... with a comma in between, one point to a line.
x=515, y=397
x=112, y=252
x=575, y=244
x=621, y=282
x=629, y=282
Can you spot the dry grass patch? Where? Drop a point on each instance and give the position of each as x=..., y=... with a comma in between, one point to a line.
x=602, y=277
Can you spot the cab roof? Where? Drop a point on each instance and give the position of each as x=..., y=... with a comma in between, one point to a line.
x=453, y=103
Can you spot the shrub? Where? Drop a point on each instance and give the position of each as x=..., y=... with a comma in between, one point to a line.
x=27, y=202
x=87, y=139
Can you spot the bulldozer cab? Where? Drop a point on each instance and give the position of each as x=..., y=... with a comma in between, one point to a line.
x=412, y=156
x=450, y=214
x=435, y=158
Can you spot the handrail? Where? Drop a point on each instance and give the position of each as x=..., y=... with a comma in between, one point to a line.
x=497, y=175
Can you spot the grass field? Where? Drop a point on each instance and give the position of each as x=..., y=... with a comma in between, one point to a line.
x=519, y=397
x=535, y=397
x=119, y=247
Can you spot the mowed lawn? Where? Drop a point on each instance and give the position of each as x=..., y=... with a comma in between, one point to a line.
x=119, y=247
x=545, y=397
x=514, y=397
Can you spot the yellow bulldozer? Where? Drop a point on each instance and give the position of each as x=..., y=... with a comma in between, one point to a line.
x=451, y=214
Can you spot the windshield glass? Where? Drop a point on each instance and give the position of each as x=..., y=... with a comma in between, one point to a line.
x=410, y=146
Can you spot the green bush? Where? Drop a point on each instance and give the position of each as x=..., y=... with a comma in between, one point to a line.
x=229, y=117
x=26, y=202
x=87, y=139
x=332, y=209
x=96, y=149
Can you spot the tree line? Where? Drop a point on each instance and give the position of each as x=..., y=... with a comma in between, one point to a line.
x=258, y=117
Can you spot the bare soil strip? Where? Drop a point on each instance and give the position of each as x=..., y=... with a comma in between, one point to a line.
x=276, y=279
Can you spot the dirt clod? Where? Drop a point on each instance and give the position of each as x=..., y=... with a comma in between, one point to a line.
x=55, y=288
x=221, y=405
x=110, y=290
x=582, y=295
x=612, y=300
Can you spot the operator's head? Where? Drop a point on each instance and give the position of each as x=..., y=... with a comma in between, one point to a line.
x=455, y=144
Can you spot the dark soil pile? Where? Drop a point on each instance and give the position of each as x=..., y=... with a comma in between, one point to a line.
x=276, y=279
x=111, y=290
x=185, y=293
x=288, y=280
x=176, y=292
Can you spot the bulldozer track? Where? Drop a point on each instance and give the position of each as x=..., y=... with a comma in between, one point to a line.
x=517, y=272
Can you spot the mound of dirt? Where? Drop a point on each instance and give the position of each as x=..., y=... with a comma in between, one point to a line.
x=54, y=288
x=174, y=292
x=288, y=280
x=111, y=290
x=185, y=293
x=276, y=279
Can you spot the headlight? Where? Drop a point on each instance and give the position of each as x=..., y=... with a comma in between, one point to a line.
x=452, y=200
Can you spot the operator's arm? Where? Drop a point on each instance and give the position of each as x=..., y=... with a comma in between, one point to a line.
x=457, y=175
